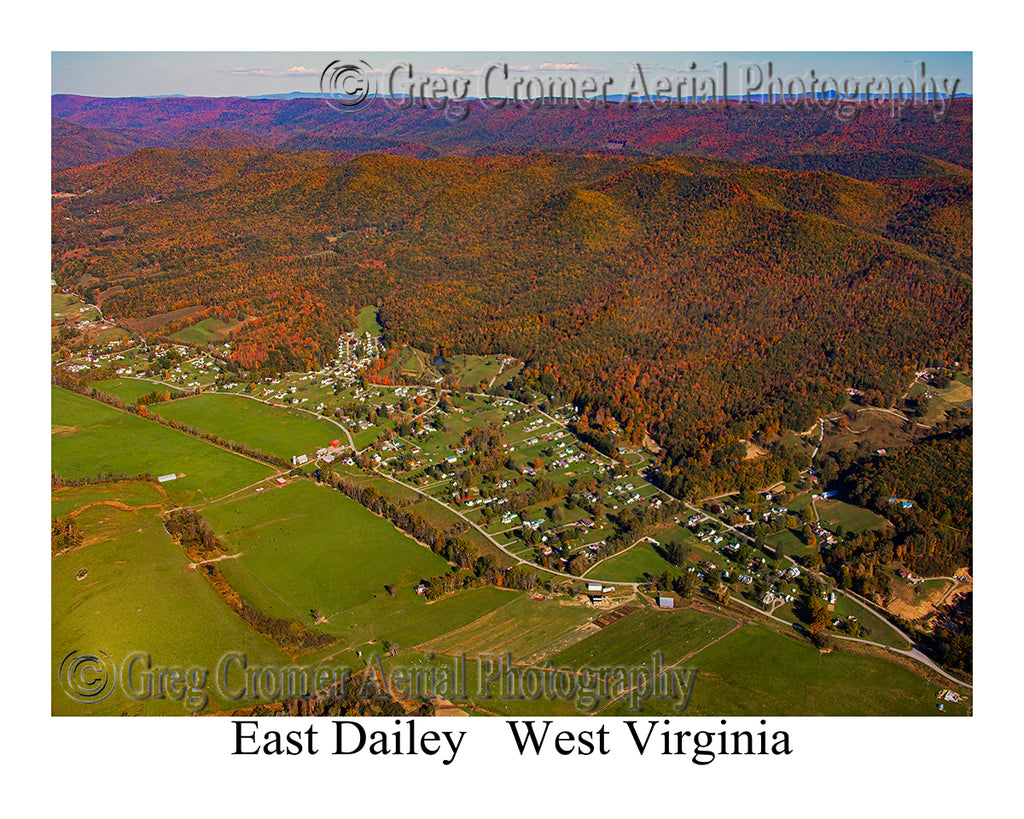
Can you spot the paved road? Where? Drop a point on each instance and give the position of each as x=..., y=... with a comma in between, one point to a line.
x=913, y=652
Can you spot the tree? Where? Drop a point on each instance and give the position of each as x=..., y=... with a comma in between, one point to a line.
x=819, y=620
x=687, y=586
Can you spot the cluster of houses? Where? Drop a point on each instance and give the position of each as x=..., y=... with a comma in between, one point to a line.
x=327, y=454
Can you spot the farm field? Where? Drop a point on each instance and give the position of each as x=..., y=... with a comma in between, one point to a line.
x=757, y=671
x=483, y=694
x=205, y=331
x=130, y=493
x=632, y=639
x=90, y=438
x=313, y=549
x=526, y=629
x=138, y=592
x=276, y=430
x=128, y=389
x=851, y=518
x=630, y=566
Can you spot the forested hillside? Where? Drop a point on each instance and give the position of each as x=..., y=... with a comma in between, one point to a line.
x=698, y=300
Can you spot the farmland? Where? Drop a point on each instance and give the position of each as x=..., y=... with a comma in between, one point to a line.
x=128, y=588
x=318, y=550
x=757, y=671
x=633, y=639
x=205, y=331
x=282, y=432
x=90, y=439
x=307, y=555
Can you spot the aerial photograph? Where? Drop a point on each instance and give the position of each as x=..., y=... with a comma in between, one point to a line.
x=511, y=384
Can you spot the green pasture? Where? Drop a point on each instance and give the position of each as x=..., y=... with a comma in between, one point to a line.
x=272, y=429
x=366, y=322
x=310, y=548
x=130, y=389
x=90, y=438
x=755, y=671
x=851, y=518
x=633, y=639
x=138, y=595
x=131, y=493
x=630, y=566
x=205, y=331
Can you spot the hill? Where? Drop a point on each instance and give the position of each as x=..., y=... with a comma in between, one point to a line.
x=800, y=139
x=697, y=299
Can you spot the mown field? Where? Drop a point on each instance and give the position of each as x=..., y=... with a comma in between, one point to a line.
x=756, y=671
x=205, y=331
x=851, y=518
x=366, y=322
x=138, y=595
x=308, y=549
x=127, y=389
x=279, y=431
x=630, y=566
x=528, y=630
x=89, y=438
x=633, y=639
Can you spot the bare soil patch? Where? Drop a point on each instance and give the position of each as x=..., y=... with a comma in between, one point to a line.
x=753, y=451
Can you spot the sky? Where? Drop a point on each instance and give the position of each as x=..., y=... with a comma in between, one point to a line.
x=238, y=73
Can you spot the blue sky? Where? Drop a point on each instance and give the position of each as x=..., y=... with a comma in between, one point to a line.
x=226, y=73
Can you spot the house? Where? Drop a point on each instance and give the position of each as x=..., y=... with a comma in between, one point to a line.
x=666, y=602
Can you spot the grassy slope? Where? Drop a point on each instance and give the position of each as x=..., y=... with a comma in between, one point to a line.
x=279, y=431
x=105, y=440
x=139, y=595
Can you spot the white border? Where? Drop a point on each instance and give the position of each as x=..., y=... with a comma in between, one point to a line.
x=841, y=767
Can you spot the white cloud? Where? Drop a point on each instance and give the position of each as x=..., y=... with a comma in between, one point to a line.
x=571, y=67
x=294, y=71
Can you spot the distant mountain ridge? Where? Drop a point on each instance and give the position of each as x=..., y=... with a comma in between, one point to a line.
x=760, y=134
